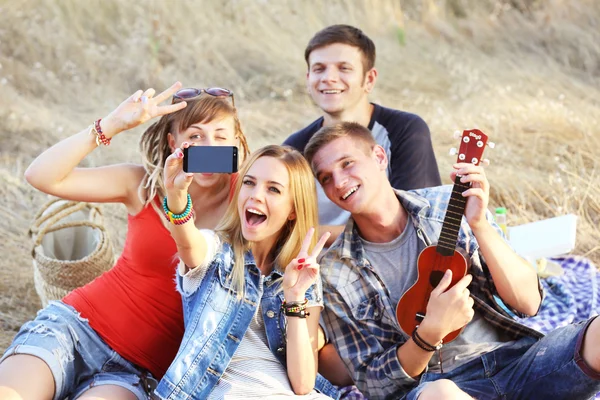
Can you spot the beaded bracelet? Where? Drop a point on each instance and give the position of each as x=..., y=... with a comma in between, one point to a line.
x=96, y=129
x=295, y=308
x=179, y=219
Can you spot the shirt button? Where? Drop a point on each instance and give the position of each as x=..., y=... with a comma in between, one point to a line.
x=376, y=313
x=270, y=314
x=280, y=350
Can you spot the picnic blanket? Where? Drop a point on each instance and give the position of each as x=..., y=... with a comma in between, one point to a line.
x=569, y=298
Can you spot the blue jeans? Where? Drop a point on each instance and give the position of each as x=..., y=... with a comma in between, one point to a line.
x=77, y=357
x=548, y=368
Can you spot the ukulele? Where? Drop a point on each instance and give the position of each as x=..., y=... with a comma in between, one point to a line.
x=434, y=260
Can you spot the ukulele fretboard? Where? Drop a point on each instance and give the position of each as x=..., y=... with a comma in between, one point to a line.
x=454, y=213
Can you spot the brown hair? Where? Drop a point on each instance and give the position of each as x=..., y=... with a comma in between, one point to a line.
x=154, y=143
x=344, y=34
x=328, y=134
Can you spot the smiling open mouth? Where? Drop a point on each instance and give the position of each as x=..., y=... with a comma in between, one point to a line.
x=255, y=217
x=350, y=192
x=332, y=91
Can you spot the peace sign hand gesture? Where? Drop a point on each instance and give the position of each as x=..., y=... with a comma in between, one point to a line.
x=139, y=108
x=303, y=270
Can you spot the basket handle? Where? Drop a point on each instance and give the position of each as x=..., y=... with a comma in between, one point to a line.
x=52, y=228
x=60, y=212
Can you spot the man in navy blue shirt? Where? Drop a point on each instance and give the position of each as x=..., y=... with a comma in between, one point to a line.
x=341, y=74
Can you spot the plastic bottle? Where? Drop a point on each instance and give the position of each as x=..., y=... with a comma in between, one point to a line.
x=500, y=218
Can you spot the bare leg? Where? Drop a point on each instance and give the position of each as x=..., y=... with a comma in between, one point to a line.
x=443, y=389
x=332, y=367
x=591, y=345
x=25, y=377
x=107, y=392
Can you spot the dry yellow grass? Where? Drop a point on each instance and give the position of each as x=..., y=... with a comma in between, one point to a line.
x=527, y=72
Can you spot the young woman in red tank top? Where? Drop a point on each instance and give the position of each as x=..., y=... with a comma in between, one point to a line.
x=112, y=337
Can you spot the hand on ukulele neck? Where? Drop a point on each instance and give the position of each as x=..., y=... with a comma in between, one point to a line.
x=477, y=195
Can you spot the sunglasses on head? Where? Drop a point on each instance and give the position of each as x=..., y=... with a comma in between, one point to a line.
x=192, y=93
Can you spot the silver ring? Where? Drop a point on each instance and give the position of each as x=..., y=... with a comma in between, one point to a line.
x=144, y=99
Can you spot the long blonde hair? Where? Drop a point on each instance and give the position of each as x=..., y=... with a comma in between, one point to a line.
x=304, y=196
x=154, y=142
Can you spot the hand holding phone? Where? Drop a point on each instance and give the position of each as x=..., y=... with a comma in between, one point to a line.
x=210, y=159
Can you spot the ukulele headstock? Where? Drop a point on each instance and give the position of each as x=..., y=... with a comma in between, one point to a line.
x=472, y=144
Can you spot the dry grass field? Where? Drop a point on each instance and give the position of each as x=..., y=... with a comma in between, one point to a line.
x=526, y=72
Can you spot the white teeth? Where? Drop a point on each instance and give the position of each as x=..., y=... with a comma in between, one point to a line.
x=349, y=192
x=332, y=91
x=255, y=211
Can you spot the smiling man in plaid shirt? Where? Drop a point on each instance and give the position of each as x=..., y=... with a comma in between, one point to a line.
x=370, y=266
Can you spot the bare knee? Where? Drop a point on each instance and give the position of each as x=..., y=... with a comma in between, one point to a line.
x=107, y=392
x=25, y=377
x=591, y=345
x=443, y=389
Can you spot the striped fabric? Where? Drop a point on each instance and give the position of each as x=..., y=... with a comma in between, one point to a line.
x=255, y=372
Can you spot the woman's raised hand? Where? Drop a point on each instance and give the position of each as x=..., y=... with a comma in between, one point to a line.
x=174, y=178
x=303, y=270
x=139, y=108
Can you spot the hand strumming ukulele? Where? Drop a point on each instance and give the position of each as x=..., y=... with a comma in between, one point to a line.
x=436, y=259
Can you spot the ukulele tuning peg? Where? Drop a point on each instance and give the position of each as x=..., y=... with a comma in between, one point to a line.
x=456, y=135
x=491, y=145
x=453, y=151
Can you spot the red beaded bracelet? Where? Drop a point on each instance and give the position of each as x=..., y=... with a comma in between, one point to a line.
x=100, y=137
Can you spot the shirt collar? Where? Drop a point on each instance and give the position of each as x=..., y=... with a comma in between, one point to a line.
x=351, y=245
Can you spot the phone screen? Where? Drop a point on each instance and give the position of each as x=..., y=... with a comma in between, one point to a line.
x=210, y=159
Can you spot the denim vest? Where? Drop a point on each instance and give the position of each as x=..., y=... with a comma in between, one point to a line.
x=216, y=321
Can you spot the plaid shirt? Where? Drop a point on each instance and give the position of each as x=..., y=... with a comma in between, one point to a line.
x=359, y=315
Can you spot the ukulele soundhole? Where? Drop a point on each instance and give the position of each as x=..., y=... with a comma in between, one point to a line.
x=435, y=277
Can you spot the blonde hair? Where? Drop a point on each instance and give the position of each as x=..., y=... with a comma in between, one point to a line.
x=289, y=243
x=154, y=142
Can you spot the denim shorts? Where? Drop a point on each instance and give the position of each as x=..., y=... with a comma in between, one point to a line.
x=548, y=368
x=78, y=358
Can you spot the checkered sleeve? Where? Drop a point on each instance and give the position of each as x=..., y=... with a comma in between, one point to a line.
x=375, y=369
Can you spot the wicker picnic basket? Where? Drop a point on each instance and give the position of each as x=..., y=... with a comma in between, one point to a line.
x=70, y=247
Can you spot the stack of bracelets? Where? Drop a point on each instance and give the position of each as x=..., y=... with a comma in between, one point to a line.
x=419, y=341
x=179, y=219
x=97, y=131
x=295, y=308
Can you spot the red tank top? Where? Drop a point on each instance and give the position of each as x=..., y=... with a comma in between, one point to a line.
x=134, y=307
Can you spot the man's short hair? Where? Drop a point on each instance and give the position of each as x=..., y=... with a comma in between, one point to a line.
x=353, y=130
x=344, y=34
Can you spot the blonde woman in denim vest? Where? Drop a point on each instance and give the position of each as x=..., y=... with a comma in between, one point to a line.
x=251, y=288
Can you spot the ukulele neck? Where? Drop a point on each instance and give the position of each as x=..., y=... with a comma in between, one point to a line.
x=456, y=208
